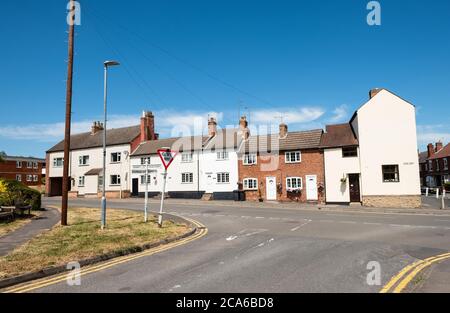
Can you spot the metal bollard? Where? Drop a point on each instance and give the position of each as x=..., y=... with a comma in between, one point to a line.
x=426, y=192
x=437, y=193
x=443, y=200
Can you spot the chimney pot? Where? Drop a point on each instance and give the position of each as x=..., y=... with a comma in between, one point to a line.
x=373, y=92
x=283, y=130
x=439, y=146
x=212, y=127
x=96, y=127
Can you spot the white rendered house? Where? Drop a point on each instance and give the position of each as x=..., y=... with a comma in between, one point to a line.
x=373, y=158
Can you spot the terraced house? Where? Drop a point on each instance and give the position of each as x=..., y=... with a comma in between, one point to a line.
x=434, y=165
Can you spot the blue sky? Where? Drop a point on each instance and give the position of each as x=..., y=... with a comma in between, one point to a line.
x=311, y=61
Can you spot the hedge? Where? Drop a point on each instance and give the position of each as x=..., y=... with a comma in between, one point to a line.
x=14, y=193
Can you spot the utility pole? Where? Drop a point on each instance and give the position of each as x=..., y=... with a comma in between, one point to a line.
x=66, y=161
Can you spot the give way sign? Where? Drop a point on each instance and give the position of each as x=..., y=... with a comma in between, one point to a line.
x=167, y=157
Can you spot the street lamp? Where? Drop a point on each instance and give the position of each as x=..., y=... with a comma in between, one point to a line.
x=106, y=65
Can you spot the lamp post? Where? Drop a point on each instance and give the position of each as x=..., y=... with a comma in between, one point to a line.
x=106, y=65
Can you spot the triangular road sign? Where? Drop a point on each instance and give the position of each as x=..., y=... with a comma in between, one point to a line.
x=167, y=157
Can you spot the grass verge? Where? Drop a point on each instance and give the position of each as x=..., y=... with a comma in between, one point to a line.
x=10, y=226
x=84, y=239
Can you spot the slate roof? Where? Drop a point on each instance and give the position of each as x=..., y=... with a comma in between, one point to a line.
x=339, y=135
x=179, y=144
x=115, y=136
x=228, y=138
x=423, y=157
x=22, y=158
x=293, y=141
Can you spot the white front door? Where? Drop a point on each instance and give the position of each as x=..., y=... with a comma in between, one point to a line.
x=271, y=188
x=209, y=182
x=311, y=187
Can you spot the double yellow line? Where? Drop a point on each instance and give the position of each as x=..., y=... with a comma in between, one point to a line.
x=407, y=274
x=201, y=231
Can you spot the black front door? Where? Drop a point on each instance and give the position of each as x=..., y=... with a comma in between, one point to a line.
x=354, y=188
x=135, y=189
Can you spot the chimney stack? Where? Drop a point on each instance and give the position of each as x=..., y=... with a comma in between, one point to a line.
x=283, y=130
x=96, y=127
x=430, y=149
x=212, y=127
x=147, y=126
x=373, y=92
x=439, y=146
x=243, y=127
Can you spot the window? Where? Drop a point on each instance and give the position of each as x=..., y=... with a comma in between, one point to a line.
x=187, y=178
x=29, y=178
x=223, y=178
x=186, y=157
x=445, y=164
x=29, y=164
x=222, y=155
x=250, y=184
x=18, y=177
x=83, y=160
x=116, y=157
x=115, y=180
x=18, y=164
x=390, y=173
x=35, y=178
x=81, y=181
x=293, y=157
x=349, y=152
x=144, y=160
x=437, y=164
x=35, y=164
x=250, y=159
x=426, y=166
x=430, y=165
x=294, y=183
x=58, y=162
x=143, y=179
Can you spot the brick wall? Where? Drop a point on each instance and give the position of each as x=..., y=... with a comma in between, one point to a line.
x=311, y=164
x=9, y=170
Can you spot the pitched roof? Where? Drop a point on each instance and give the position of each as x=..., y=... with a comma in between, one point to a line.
x=444, y=152
x=228, y=138
x=22, y=158
x=114, y=136
x=339, y=135
x=179, y=144
x=423, y=157
x=294, y=140
x=94, y=172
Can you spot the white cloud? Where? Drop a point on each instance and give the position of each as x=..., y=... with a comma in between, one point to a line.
x=290, y=116
x=340, y=114
x=432, y=133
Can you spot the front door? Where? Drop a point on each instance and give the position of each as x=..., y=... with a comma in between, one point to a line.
x=353, y=180
x=135, y=189
x=311, y=188
x=271, y=188
x=209, y=183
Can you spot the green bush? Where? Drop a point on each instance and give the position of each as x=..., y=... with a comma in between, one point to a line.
x=14, y=193
x=447, y=186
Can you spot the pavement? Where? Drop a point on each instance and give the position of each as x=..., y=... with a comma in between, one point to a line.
x=269, y=250
x=15, y=239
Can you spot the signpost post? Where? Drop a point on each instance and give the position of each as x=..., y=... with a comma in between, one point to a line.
x=167, y=157
x=146, y=191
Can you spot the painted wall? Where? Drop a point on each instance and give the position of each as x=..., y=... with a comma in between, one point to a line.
x=387, y=136
x=337, y=167
x=210, y=166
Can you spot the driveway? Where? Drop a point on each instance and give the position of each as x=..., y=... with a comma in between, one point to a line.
x=267, y=249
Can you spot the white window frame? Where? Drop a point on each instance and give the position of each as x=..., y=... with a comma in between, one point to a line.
x=35, y=178
x=187, y=157
x=246, y=184
x=288, y=157
x=118, y=180
x=289, y=183
x=29, y=178
x=18, y=164
x=29, y=164
x=35, y=165
x=445, y=164
x=248, y=157
x=83, y=160
x=222, y=155
x=18, y=177
x=187, y=178
x=223, y=178
x=118, y=157
x=55, y=162
x=430, y=165
x=144, y=159
x=81, y=181
x=142, y=179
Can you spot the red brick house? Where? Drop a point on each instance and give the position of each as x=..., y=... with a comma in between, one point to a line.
x=434, y=165
x=27, y=170
x=288, y=166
